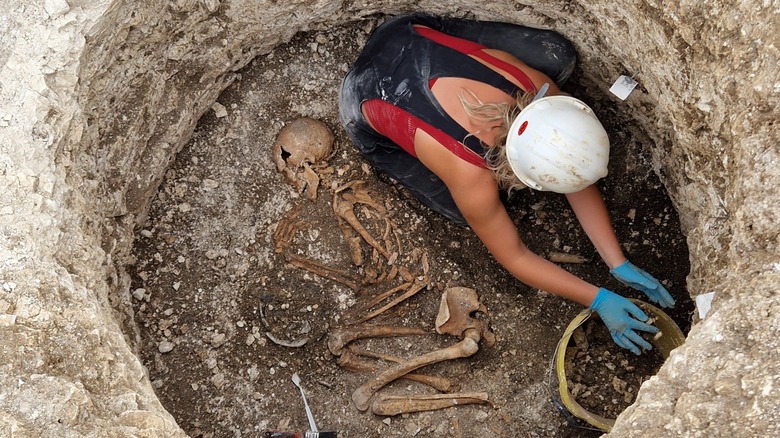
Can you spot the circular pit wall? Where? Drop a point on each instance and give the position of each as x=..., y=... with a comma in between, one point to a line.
x=122, y=88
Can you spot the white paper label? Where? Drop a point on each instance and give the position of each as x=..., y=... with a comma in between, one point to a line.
x=623, y=86
x=704, y=303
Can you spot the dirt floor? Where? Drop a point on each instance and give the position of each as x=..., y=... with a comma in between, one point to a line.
x=208, y=283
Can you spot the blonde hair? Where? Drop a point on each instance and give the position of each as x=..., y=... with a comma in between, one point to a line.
x=495, y=155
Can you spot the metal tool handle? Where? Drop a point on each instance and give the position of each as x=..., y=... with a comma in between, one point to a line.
x=297, y=381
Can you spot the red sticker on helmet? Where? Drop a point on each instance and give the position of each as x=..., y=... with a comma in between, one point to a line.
x=522, y=127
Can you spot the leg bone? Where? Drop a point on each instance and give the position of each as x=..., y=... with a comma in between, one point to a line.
x=340, y=337
x=467, y=347
x=354, y=362
x=394, y=405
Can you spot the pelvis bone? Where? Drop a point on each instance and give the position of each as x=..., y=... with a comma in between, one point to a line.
x=455, y=310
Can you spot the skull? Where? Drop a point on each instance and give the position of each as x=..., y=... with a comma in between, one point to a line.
x=301, y=143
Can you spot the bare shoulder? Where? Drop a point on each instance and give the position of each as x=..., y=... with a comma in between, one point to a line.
x=453, y=170
x=537, y=77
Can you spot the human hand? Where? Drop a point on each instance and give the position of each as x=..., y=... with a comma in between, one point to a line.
x=622, y=317
x=640, y=280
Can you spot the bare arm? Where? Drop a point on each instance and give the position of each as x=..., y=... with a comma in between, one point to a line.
x=475, y=192
x=587, y=204
x=487, y=216
x=592, y=214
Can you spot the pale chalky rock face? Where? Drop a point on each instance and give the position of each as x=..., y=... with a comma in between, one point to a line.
x=97, y=97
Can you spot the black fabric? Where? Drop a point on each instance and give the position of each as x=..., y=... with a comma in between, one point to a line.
x=396, y=65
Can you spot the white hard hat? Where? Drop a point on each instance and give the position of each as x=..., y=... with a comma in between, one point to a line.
x=557, y=144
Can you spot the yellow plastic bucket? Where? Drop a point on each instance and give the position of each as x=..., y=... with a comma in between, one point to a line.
x=672, y=338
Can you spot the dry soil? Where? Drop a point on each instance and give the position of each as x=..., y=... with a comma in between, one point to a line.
x=206, y=265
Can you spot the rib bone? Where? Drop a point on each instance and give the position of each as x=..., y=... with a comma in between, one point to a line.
x=342, y=277
x=416, y=287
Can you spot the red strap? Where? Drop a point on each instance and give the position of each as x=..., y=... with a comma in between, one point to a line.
x=400, y=127
x=477, y=50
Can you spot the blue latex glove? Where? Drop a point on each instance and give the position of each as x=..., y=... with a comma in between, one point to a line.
x=617, y=313
x=640, y=280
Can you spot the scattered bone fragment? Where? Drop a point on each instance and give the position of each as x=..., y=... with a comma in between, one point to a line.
x=311, y=180
x=299, y=145
x=353, y=242
x=340, y=337
x=389, y=405
x=455, y=427
x=564, y=257
x=385, y=277
x=287, y=227
x=405, y=274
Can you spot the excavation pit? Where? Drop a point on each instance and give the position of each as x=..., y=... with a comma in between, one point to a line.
x=213, y=284
x=99, y=99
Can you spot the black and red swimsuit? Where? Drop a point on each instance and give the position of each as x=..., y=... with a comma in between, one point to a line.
x=392, y=80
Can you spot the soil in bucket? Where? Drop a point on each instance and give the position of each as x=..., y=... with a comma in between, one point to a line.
x=604, y=378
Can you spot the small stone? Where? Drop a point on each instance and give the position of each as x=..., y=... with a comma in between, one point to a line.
x=165, y=346
x=146, y=233
x=176, y=285
x=218, y=380
x=211, y=254
x=387, y=421
x=210, y=184
x=7, y=320
x=139, y=293
x=219, y=110
x=217, y=339
x=55, y=8
x=250, y=339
